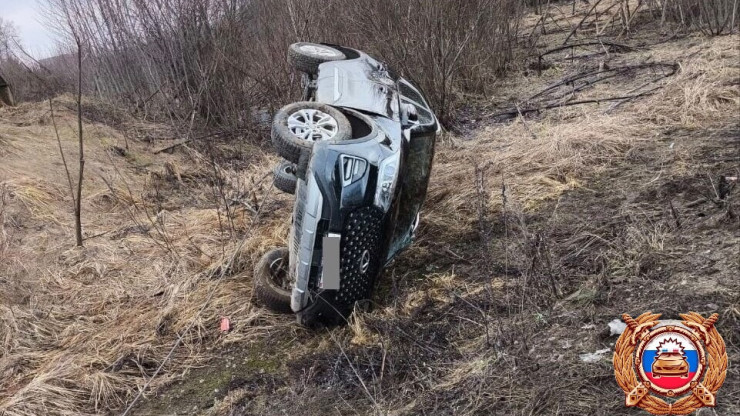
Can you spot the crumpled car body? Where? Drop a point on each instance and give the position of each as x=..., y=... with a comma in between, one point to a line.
x=359, y=204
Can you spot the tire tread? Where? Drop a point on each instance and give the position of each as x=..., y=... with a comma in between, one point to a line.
x=283, y=180
x=273, y=298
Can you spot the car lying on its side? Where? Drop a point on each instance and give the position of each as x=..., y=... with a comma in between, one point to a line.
x=358, y=153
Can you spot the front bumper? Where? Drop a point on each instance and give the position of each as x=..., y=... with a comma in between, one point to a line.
x=304, y=239
x=332, y=191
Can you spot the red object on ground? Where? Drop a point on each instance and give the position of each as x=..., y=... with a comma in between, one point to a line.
x=225, y=324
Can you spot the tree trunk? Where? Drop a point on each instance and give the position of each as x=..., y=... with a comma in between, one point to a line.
x=78, y=206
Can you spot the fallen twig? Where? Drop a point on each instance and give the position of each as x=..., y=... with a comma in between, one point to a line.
x=514, y=113
x=184, y=141
x=619, y=70
x=619, y=47
x=562, y=100
x=615, y=105
x=625, y=48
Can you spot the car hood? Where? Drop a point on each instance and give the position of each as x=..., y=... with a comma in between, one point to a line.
x=363, y=84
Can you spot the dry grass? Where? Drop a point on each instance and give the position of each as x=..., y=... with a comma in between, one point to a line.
x=83, y=329
x=534, y=162
x=460, y=327
x=539, y=159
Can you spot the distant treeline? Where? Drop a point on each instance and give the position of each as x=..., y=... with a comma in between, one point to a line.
x=223, y=61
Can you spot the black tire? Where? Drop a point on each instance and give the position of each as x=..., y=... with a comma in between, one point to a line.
x=284, y=177
x=306, y=57
x=290, y=146
x=267, y=290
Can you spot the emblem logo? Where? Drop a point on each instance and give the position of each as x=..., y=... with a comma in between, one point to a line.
x=364, y=261
x=684, y=362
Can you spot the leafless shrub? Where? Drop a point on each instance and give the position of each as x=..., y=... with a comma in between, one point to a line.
x=712, y=17
x=445, y=47
x=225, y=61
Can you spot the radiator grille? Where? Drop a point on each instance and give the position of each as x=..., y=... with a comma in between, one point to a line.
x=361, y=236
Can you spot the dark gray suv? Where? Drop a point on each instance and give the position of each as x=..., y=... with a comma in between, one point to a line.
x=358, y=151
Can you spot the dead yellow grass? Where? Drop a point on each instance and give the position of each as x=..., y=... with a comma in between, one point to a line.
x=706, y=91
x=83, y=329
x=537, y=160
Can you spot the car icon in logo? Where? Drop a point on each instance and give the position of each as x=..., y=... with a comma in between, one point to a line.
x=670, y=364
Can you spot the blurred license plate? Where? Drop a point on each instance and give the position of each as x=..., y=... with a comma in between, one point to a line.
x=330, y=262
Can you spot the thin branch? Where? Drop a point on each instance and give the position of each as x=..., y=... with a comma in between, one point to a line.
x=185, y=141
x=572, y=32
x=514, y=112
x=78, y=206
x=61, y=152
x=624, y=48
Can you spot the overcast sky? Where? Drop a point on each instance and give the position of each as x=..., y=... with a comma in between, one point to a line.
x=35, y=36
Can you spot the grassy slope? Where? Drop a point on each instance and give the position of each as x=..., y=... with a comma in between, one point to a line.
x=535, y=235
x=81, y=328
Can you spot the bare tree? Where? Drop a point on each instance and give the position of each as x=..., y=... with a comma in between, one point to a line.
x=67, y=16
x=7, y=34
x=78, y=205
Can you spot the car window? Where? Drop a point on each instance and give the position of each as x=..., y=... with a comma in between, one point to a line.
x=410, y=92
x=421, y=114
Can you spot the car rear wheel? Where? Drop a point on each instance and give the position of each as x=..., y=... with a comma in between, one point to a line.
x=306, y=57
x=272, y=280
x=284, y=177
x=296, y=127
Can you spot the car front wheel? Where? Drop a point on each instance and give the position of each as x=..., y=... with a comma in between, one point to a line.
x=296, y=127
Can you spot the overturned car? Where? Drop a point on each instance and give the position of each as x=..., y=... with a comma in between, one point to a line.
x=358, y=153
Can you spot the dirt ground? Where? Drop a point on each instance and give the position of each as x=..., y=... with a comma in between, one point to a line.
x=537, y=232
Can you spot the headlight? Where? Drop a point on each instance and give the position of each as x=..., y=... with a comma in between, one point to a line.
x=387, y=179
